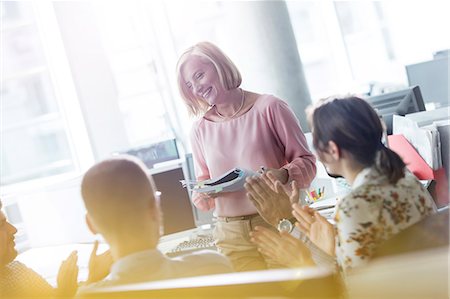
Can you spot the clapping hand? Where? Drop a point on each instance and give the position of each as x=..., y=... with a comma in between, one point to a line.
x=99, y=265
x=269, y=197
x=316, y=227
x=281, y=174
x=281, y=247
x=67, y=278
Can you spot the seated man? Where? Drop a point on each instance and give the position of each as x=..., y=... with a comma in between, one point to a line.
x=120, y=203
x=18, y=281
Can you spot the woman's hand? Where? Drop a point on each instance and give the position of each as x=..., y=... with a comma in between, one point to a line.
x=269, y=197
x=99, y=265
x=281, y=174
x=316, y=227
x=281, y=247
x=203, y=201
x=67, y=278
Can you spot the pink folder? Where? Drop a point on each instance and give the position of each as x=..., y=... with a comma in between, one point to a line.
x=417, y=165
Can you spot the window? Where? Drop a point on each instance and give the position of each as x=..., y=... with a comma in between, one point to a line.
x=34, y=138
x=367, y=42
x=320, y=47
x=363, y=46
x=129, y=42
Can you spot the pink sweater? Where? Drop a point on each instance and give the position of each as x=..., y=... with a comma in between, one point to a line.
x=267, y=135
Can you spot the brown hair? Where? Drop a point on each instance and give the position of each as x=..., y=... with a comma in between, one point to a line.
x=116, y=191
x=355, y=127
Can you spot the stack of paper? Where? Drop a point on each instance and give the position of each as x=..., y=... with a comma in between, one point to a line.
x=232, y=180
x=428, y=133
x=425, y=140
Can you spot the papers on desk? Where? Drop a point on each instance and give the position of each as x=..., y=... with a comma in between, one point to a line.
x=426, y=133
x=324, y=204
x=326, y=207
x=425, y=140
x=425, y=118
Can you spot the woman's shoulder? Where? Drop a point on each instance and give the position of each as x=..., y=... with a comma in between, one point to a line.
x=197, y=126
x=367, y=193
x=372, y=191
x=268, y=99
x=378, y=189
x=268, y=102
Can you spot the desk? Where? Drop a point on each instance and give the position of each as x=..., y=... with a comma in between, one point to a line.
x=313, y=282
x=422, y=274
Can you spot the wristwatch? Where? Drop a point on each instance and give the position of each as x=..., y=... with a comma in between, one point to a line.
x=286, y=225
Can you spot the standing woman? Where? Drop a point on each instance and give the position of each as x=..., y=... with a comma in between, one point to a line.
x=238, y=128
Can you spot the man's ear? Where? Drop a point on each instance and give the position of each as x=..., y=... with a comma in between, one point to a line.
x=334, y=150
x=90, y=225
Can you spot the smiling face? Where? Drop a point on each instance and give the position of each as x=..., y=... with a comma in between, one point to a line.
x=7, y=251
x=202, y=80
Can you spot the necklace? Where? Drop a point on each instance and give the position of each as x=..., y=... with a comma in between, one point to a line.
x=224, y=117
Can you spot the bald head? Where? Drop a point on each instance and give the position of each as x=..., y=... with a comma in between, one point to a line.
x=118, y=195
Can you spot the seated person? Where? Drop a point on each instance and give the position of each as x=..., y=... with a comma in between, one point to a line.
x=385, y=198
x=18, y=281
x=121, y=206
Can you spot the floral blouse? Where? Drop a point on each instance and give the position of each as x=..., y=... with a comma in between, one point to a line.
x=374, y=211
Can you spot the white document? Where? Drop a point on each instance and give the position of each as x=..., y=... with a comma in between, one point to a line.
x=424, y=140
x=232, y=180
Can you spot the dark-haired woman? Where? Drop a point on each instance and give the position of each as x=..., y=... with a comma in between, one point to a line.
x=385, y=198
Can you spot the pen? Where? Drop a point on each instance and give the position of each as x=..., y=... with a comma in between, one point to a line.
x=309, y=196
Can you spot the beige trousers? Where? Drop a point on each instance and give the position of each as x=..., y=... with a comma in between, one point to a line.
x=233, y=240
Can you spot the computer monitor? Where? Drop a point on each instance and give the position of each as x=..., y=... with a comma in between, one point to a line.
x=179, y=214
x=433, y=78
x=156, y=152
x=397, y=103
x=177, y=210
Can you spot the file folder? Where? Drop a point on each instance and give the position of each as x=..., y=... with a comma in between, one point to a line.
x=417, y=165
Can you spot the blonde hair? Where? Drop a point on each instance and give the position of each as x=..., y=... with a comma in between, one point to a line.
x=229, y=75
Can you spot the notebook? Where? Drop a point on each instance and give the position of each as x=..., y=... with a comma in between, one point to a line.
x=230, y=181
